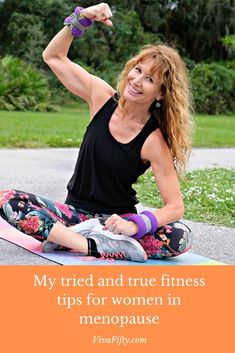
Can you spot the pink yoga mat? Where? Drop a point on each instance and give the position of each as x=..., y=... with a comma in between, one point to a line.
x=11, y=234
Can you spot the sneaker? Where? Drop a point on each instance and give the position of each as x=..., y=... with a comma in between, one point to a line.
x=48, y=246
x=109, y=245
x=86, y=225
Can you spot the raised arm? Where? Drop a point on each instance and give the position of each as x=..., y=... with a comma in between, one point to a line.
x=76, y=79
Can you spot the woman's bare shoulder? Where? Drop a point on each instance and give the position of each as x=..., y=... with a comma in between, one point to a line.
x=101, y=92
x=155, y=147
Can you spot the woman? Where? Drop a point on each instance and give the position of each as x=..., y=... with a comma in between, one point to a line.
x=146, y=123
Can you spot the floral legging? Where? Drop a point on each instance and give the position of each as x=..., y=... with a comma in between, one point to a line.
x=35, y=216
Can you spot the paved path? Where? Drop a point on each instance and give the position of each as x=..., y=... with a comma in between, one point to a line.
x=46, y=172
x=212, y=157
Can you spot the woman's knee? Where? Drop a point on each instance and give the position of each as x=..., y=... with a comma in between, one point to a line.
x=6, y=196
x=169, y=240
x=11, y=205
x=181, y=237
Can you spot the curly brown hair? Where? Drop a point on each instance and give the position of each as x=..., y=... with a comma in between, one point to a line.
x=175, y=114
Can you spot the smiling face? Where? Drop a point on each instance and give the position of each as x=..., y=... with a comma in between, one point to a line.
x=143, y=86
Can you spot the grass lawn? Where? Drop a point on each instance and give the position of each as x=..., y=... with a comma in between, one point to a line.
x=66, y=129
x=209, y=195
x=34, y=130
x=214, y=131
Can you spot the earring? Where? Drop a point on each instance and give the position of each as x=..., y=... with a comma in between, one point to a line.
x=157, y=104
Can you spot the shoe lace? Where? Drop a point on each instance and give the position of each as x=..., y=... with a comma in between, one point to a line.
x=113, y=255
x=85, y=233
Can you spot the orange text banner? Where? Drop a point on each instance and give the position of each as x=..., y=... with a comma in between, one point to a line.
x=117, y=308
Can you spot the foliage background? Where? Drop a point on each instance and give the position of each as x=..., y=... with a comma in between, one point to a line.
x=202, y=31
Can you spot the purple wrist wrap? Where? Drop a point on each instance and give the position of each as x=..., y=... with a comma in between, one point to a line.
x=153, y=220
x=141, y=225
x=77, y=25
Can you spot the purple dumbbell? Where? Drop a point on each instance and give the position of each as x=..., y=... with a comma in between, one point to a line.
x=77, y=25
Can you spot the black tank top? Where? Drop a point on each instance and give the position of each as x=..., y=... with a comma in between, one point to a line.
x=106, y=169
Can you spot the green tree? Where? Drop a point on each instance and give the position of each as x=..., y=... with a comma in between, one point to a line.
x=27, y=26
x=213, y=88
x=229, y=43
x=30, y=36
x=197, y=26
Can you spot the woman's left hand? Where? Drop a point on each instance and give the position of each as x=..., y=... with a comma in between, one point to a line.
x=118, y=225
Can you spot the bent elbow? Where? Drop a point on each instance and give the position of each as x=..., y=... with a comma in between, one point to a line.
x=52, y=60
x=46, y=56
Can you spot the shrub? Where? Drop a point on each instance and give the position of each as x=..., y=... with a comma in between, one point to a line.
x=22, y=87
x=213, y=88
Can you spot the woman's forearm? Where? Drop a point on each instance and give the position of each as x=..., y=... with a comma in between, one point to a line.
x=59, y=45
x=169, y=213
